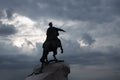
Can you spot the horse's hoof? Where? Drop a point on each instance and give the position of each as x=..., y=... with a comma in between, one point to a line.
x=56, y=60
x=46, y=62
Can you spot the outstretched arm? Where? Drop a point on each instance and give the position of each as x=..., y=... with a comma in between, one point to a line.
x=60, y=29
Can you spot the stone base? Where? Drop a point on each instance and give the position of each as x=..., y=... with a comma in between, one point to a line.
x=51, y=71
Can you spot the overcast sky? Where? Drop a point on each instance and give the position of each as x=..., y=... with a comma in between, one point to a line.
x=91, y=42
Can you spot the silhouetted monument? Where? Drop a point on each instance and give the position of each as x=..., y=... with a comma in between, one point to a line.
x=51, y=43
x=51, y=70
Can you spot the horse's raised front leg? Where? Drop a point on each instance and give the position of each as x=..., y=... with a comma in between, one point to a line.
x=61, y=49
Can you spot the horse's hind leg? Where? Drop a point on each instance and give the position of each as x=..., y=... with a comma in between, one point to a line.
x=44, y=57
x=54, y=54
x=42, y=60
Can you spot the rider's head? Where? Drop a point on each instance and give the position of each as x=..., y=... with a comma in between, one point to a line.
x=50, y=24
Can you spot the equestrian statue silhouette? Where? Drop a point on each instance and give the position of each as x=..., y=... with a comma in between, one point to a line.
x=51, y=43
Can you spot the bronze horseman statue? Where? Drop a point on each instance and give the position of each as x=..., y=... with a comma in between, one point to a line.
x=51, y=43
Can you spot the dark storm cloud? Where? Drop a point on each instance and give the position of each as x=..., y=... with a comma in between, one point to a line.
x=9, y=13
x=16, y=74
x=108, y=62
x=6, y=13
x=2, y=14
x=88, y=10
x=88, y=57
x=14, y=63
x=12, y=57
x=114, y=4
x=87, y=39
x=6, y=30
x=85, y=10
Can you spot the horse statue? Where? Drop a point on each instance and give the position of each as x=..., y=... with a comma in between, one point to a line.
x=50, y=46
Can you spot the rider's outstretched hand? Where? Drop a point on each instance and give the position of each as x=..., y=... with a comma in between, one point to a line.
x=64, y=31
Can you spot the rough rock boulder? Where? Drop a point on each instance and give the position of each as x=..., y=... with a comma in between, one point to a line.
x=51, y=71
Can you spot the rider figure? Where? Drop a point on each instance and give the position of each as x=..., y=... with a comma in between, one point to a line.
x=52, y=35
